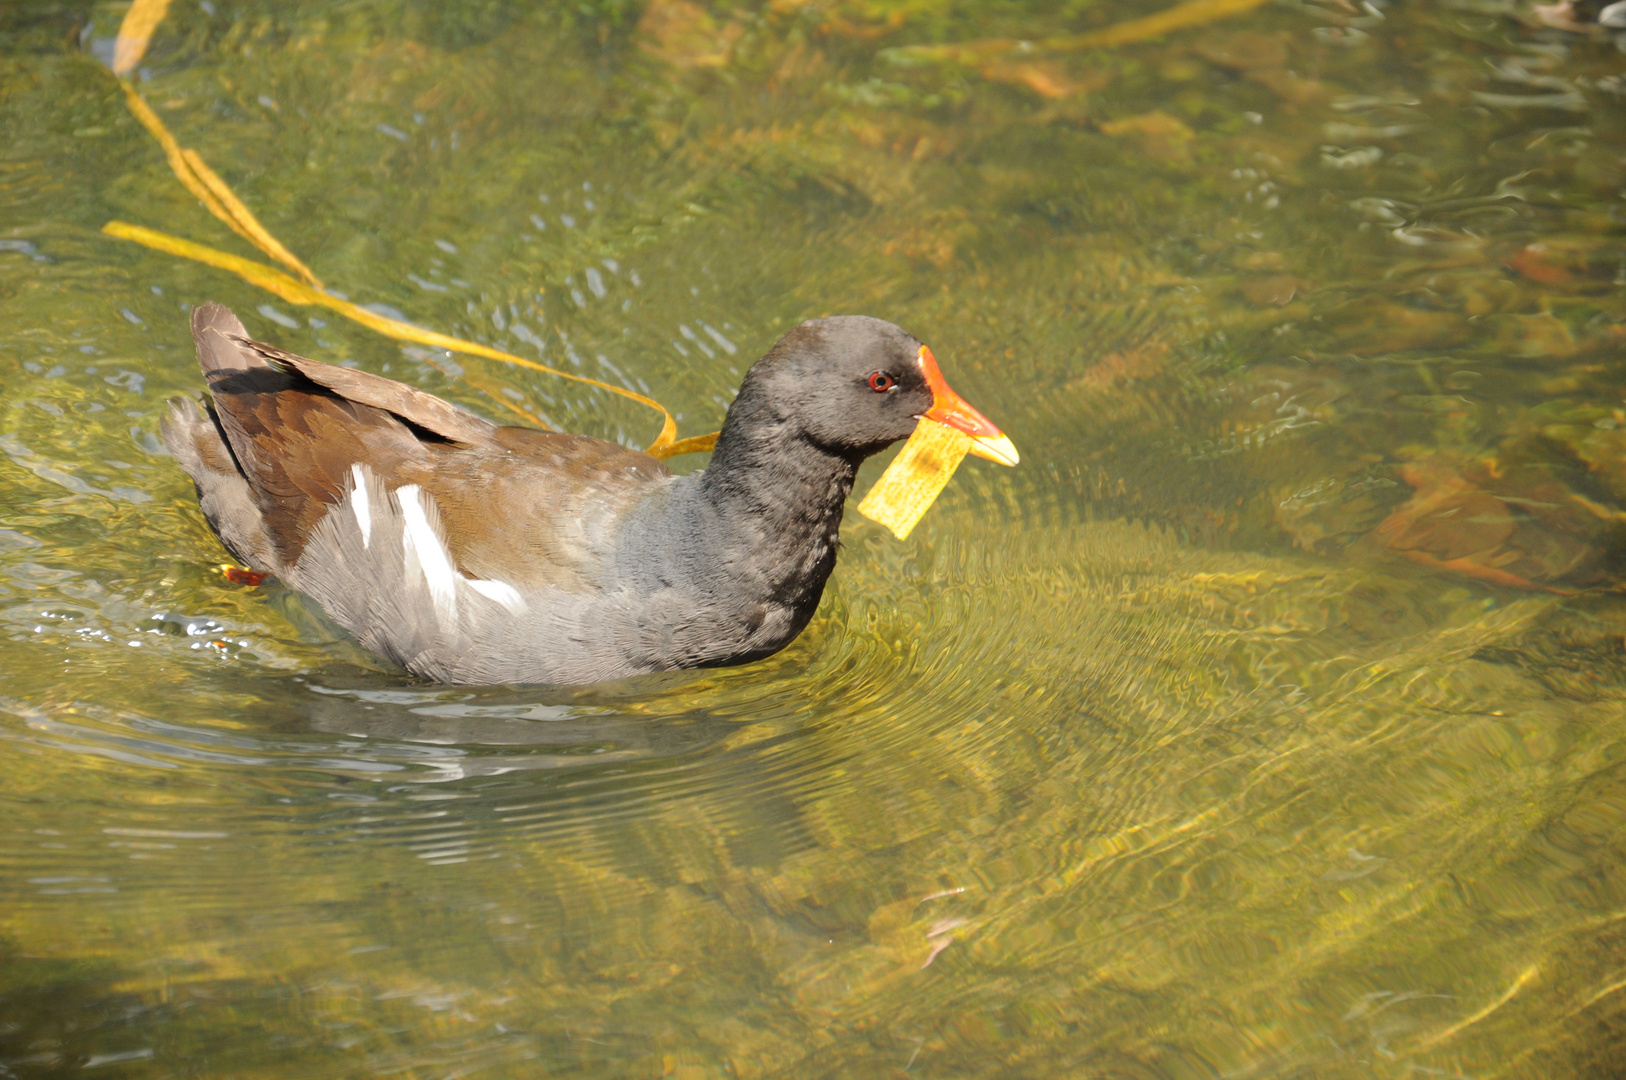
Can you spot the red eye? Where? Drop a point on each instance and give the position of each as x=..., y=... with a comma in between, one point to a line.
x=881, y=382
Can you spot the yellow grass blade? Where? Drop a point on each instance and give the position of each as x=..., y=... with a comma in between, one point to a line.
x=215, y=194
x=266, y=277
x=248, y=224
x=910, y=485
x=297, y=292
x=135, y=32
x=177, y=157
x=1180, y=17
x=219, y=199
x=694, y=444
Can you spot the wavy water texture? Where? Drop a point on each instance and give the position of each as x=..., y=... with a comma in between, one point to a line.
x=1265, y=722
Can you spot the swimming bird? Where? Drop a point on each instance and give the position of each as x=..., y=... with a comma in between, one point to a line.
x=471, y=553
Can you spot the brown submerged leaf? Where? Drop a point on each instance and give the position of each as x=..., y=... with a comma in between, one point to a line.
x=1244, y=51
x=1377, y=325
x=1141, y=361
x=1048, y=80
x=1160, y=136
x=1508, y=523
x=685, y=35
x=1588, y=262
x=1277, y=290
x=1448, y=517
x=1536, y=262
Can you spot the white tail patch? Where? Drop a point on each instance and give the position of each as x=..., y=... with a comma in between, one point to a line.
x=361, y=504
x=423, y=546
x=500, y=591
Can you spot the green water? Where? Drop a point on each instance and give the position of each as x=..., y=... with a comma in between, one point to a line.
x=1268, y=721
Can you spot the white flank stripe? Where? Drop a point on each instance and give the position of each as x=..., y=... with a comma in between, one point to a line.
x=500, y=591
x=432, y=558
x=361, y=504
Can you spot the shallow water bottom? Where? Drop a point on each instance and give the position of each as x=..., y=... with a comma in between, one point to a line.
x=1265, y=722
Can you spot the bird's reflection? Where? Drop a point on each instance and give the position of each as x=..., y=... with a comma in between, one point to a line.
x=557, y=728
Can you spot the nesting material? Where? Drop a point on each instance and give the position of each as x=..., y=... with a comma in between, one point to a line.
x=910, y=485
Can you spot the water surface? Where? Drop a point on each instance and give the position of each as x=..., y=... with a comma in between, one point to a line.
x=1266, y=722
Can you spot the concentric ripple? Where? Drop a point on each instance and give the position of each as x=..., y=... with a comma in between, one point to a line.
x=1266, y=722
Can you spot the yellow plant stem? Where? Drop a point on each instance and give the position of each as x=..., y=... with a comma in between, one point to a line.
x=1180, y=17
x=694, y=444
x=257, y=233
x=217, y=197
x=135, y=32
x=297, y=292
x=177, y=157
x=910, y=485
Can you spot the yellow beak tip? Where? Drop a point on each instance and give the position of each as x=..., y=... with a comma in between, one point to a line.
x=1001, y=450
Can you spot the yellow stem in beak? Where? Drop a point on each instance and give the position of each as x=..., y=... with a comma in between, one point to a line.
x=944, y=435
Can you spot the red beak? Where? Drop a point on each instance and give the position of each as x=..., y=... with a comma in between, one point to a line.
x=952, y=410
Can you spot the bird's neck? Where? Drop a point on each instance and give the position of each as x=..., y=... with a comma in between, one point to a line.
x=780, y=493
x=752, y=538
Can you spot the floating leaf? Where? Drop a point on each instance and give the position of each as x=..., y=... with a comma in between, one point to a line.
x=910, y=485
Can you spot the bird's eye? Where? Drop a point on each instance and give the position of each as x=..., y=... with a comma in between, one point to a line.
x=881, y=382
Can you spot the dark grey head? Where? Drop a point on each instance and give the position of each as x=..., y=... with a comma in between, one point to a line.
x=849, y=384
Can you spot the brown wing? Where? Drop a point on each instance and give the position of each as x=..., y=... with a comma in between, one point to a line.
x=517, y=504
x=295, y=443
x=294, y=439
x=364, y=388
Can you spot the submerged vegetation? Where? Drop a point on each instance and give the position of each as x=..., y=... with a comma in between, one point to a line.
x=1266, y=722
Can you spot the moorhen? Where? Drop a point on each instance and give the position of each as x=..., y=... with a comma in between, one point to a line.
x=471, y=553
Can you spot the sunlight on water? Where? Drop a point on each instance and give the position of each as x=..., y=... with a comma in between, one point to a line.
x=1265, y=722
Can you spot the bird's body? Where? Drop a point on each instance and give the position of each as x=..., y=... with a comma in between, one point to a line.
x=472, y=553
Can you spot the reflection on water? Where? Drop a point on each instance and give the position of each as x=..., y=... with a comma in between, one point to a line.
x=1266, y=722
